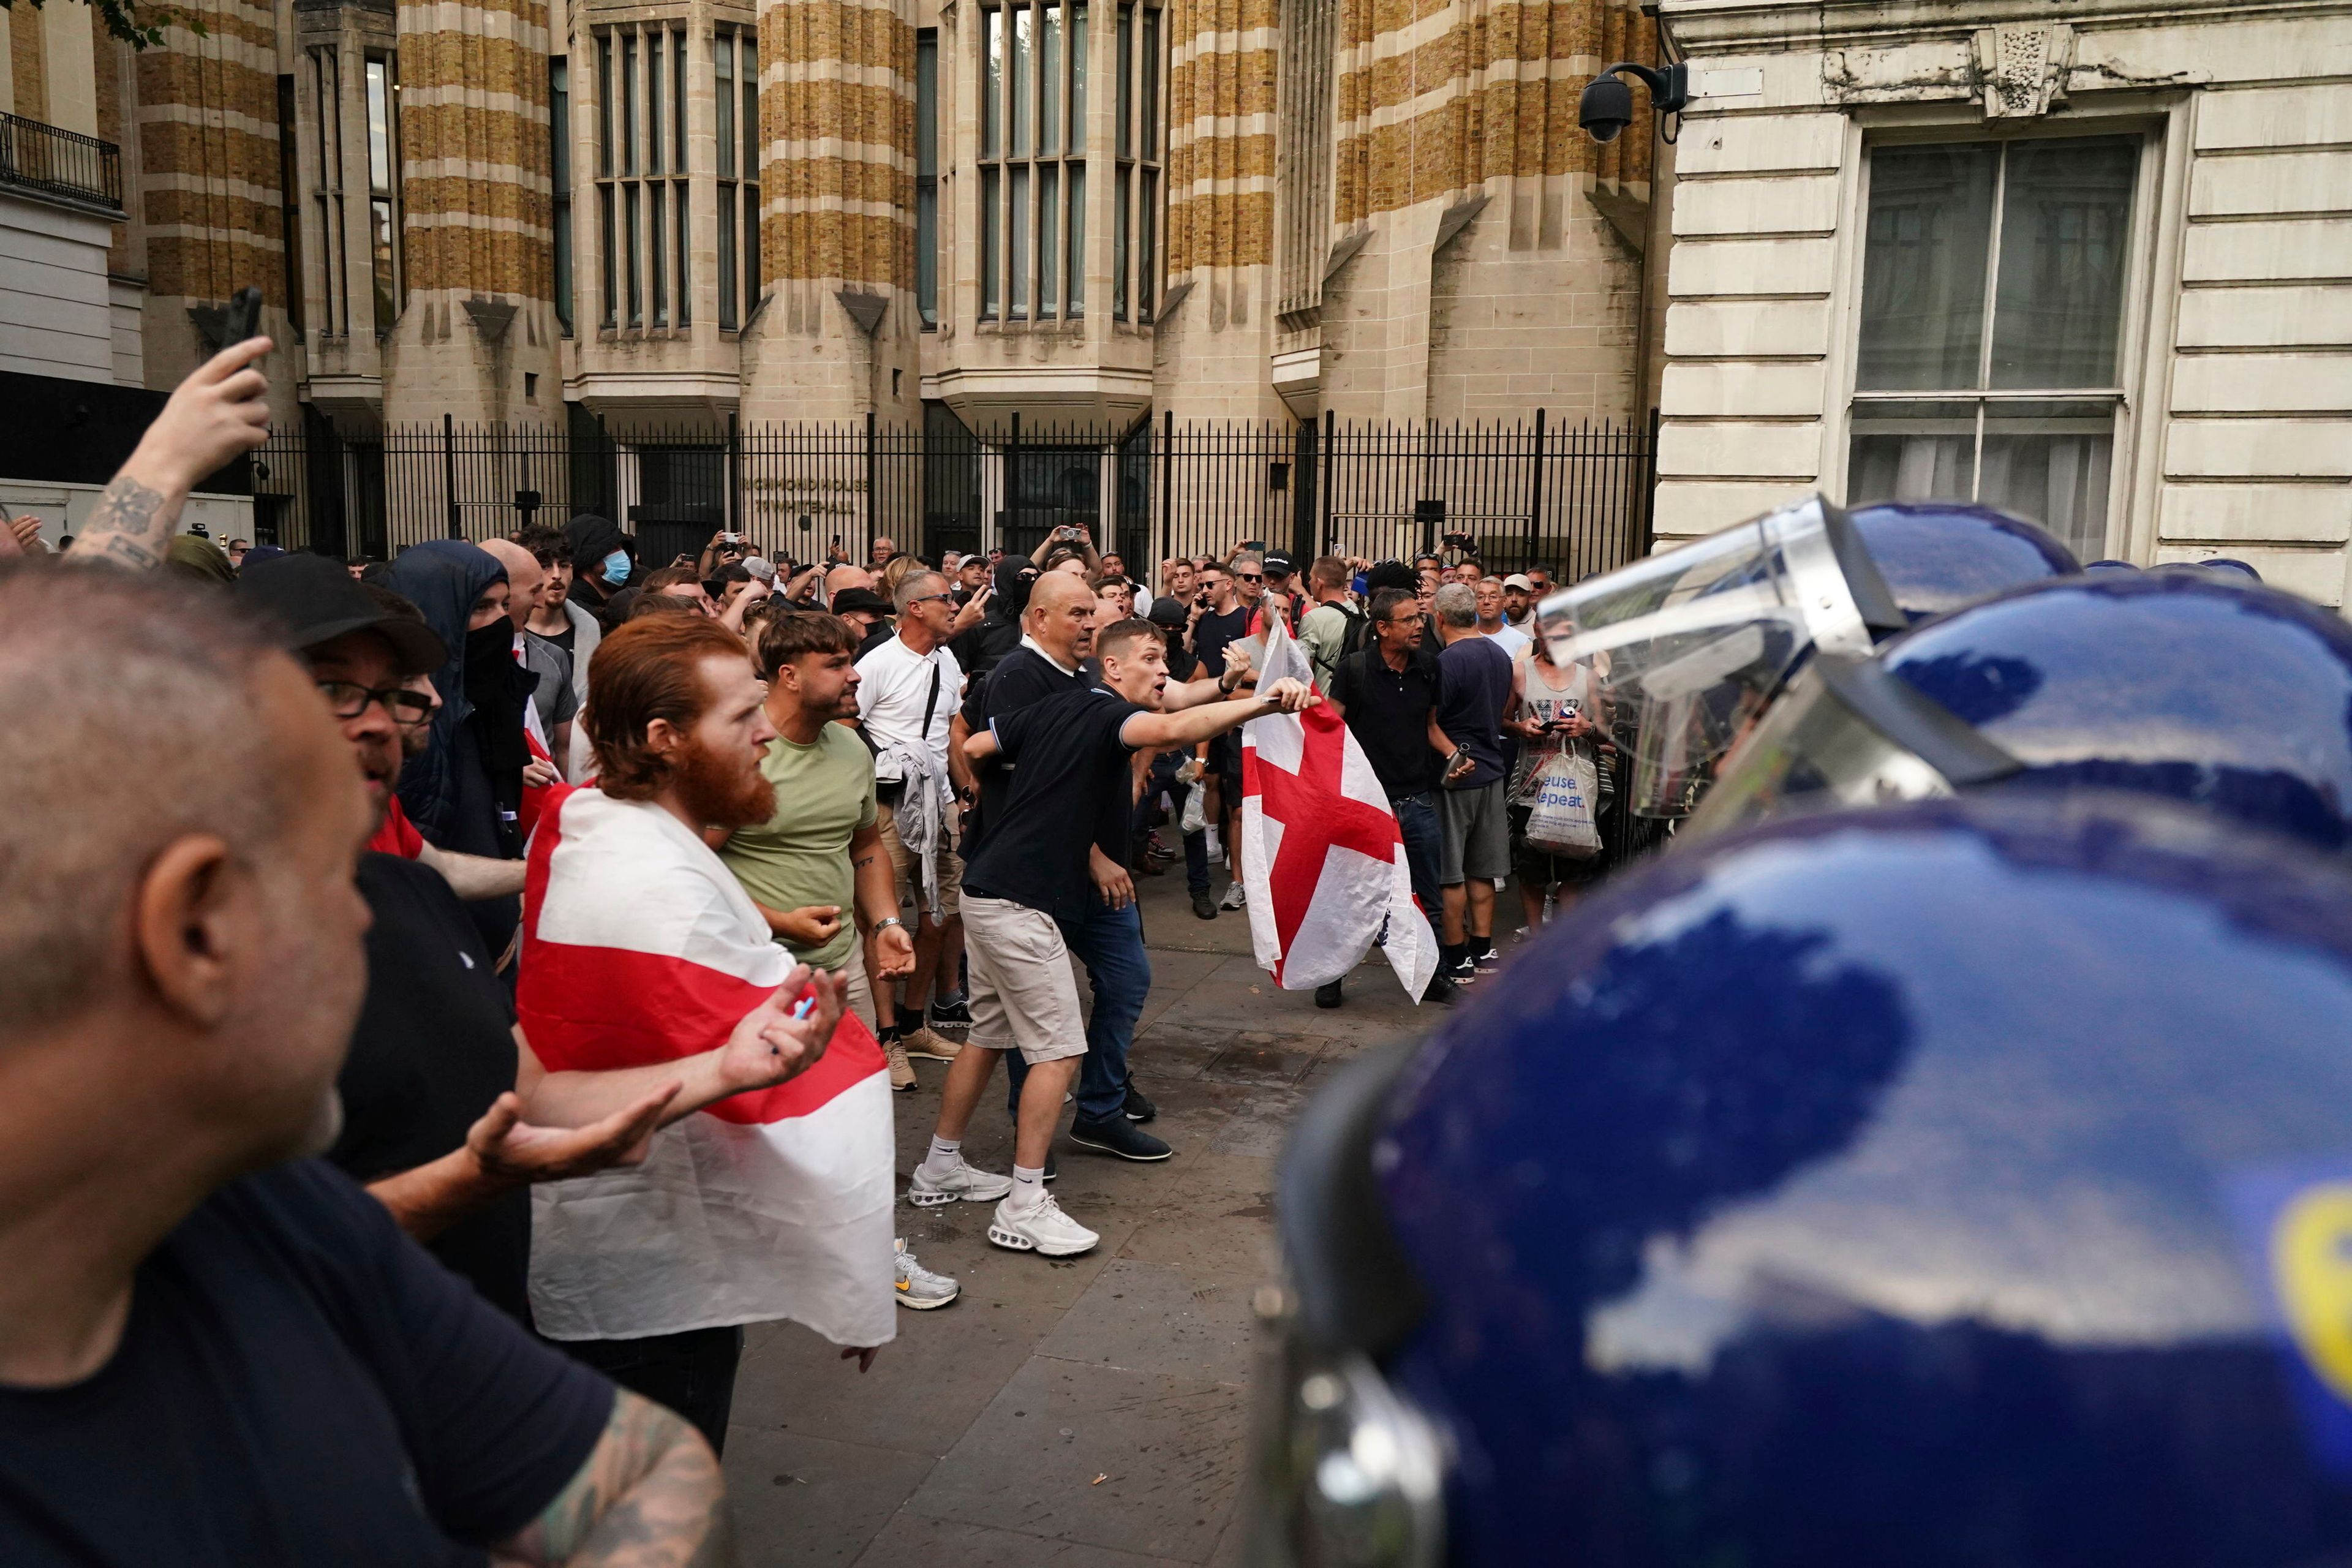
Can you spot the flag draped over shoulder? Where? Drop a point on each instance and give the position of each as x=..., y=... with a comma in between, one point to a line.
x=639, y=947
x=1323, y=861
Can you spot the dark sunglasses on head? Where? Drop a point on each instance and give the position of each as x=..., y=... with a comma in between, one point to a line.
x=349, y=699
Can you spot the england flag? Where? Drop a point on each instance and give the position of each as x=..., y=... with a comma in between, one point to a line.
x=1323, y=861
x=639, y=947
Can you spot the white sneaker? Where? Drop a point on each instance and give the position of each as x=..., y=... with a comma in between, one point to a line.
x=1236, y=896
x=921, y=1289
x=927, y=1191
x=1043, y=1229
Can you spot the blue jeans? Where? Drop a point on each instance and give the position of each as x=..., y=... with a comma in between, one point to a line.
x=1417, y=825
x=1109, y=942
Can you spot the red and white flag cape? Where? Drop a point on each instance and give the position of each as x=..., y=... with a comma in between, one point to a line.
x=640, y=947
x=1322, y=859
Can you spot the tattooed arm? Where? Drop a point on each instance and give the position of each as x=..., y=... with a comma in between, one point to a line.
x=216, y=415
x=650, y=1496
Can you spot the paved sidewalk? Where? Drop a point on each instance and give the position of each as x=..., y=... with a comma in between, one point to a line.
x=978, y=1436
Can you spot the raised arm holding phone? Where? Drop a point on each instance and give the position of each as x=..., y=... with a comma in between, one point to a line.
x=218, y=413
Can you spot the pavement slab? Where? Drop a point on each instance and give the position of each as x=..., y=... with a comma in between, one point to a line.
x=977, y=1437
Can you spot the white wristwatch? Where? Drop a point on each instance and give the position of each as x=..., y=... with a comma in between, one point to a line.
x=889, y=920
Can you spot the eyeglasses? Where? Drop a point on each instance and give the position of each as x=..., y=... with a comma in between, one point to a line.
x=349, y=699
x=931, y=598
x=1251, y=576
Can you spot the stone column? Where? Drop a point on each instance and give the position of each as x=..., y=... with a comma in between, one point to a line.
x=833, y=336
x=477, y=337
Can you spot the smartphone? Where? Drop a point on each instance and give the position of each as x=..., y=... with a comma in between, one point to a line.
x=243, y=318
x=1256, y=544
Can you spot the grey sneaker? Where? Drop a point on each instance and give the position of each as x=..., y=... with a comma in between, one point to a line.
x=918, y=1287
x=927, y=1191
x=1236, y=896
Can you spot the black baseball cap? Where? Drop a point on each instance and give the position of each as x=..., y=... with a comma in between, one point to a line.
x=1278, y=561
x=310, y=600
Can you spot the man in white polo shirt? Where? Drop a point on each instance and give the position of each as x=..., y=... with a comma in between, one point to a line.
x=908, y=689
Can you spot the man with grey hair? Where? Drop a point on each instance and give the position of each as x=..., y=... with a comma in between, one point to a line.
x=908, y=687
x=180, y=963
x=1466, y=729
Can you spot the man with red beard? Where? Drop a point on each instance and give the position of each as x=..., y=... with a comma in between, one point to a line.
x=641, y=953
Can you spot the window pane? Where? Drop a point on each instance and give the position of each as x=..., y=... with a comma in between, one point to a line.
x=378, y=109
x=926, y=103
x=1118, y=245
x=1151, y=113
x=1049, y=83
x=728, y=319
x=610, y=260
x=657, y=252
x=991, y=295
x=926, y=253
x=678, y=103
x=750, y=112
x=1912, y=452
x=1124, y=97
x=380, y=235
x=681, y=231
x=559, y=121
x=604, y=105
x=1077, y=245
x=2050, y=462
x=1077, y=78
x=751, y=249
x=653, y=98
x=991, y=85
x=722, y=68
x=631, y=240
x=1923, y=270
x=1147, y=229
x=1017, y=269
x=2065, y=234
x=628, y=103
x=1018, y=81
x=1049, y=235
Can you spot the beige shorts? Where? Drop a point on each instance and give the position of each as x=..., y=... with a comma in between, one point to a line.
x=1023, y=993
x=861, y=993
x=909, y=882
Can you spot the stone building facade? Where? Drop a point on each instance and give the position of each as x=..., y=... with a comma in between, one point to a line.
x=2090, y=261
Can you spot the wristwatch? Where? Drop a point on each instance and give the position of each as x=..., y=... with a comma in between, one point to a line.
x=889, y=920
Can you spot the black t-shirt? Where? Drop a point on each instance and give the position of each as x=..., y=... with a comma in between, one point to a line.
x=1021, y=677
x=433, y=1046
x=1212, y=635
x=1474, y=690
x=1389, y=711
x=297, y=1383
x=562, y=639
x=1067, y=761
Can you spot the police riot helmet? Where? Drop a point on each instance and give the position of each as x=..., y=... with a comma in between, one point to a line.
x=1967, y=1182
x=1691, y=645
x=2187, y=684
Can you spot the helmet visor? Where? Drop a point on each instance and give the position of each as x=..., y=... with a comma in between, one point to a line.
x=1845, y=733
x=1690, y=645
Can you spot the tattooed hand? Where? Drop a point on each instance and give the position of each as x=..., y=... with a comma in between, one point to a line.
x=216, y=415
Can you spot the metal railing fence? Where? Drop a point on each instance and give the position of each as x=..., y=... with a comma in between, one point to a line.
x=1571, y=498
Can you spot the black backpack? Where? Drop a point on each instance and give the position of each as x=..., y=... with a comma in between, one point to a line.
x=1359, y=632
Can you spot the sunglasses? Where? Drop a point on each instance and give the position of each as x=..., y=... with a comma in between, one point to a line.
x=1250, y=576
x=931, y=598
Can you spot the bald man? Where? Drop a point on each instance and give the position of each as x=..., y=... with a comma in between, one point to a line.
x=180, y=965
x=554, y=703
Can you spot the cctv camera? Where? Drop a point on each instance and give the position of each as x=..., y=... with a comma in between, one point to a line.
x=1606, y=108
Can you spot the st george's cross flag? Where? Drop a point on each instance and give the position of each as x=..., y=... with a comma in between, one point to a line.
x=1322, y=859
x=639, y=947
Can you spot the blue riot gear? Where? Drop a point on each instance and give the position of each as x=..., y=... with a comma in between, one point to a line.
x=1691, y=645
x=1967, y=1182
x=2189, y=684
x=2110, y=566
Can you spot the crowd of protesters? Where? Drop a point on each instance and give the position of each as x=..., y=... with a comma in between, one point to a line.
x=665, y=867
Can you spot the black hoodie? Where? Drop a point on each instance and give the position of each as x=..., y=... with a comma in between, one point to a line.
x=977, y=651
x=592, y=538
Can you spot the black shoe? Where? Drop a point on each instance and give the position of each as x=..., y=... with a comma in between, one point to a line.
x=1205, y=906
x=1463, y=971
x=1328, y=993
x=956, y=1014
x=1440, y=990
x=1116, y=1135
x=1138, y=1107
x=1053, y=1171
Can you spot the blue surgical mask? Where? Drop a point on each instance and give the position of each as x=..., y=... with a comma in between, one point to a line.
x=616, y=567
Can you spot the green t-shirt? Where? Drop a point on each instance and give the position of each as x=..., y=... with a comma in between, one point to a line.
x=824, y=793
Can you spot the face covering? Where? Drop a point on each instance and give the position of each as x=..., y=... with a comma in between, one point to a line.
x=615, y=567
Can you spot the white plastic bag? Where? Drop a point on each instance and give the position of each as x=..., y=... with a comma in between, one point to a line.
x=1196, y=814
x=1561, y=822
